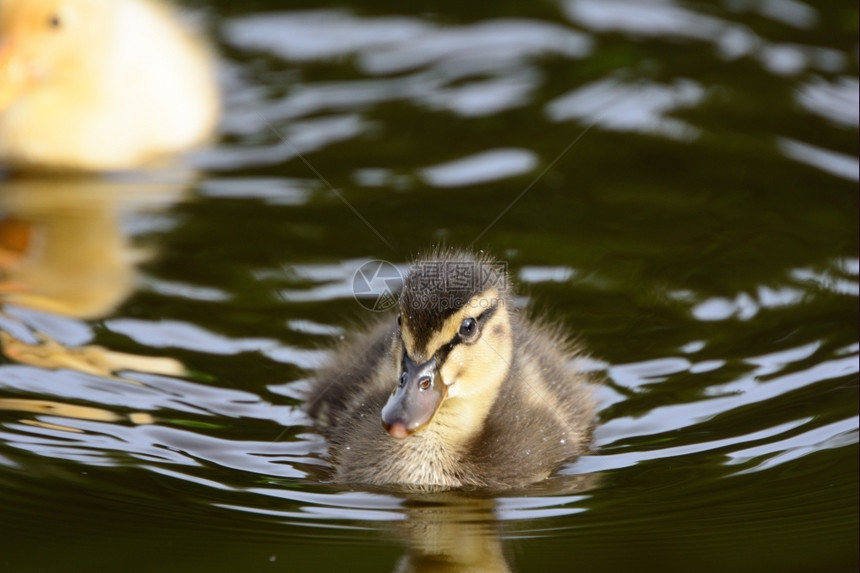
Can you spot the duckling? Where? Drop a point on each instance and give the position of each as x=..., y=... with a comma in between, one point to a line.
x=462, y=391
x=100, y=84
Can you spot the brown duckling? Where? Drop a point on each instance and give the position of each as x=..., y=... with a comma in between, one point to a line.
x=460, y=391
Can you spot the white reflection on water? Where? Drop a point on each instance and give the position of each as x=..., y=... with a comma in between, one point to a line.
x=490, y=165
x=390, y=45
x=745, y=306
x=655, y=18
x=367, y=506
x=838, y=101
x=471, y=70
x=315, y=328
x=789, y=12
x=329, y=97
x=640, y=106
x=102, y=444
x=315, y=512
x=273, y=190
x=835, y=435
x=546, y=274
x=663, y=18
x=734, y=395
x=512, y=508
x=176, y=334
x=772, y=363
x=838, y=164
x=184, y=290
x=290, y=142
x=491, y=44
x=66, y=331
x=633, y=376
x=747, y=390
x=737, y=42
x=187, y=336
x=363, y=506
x=483, y=97
x=841, y=278
x=302, y=36
x=783, y=60
x=153, y=394
x=614, y=461
x=792, y=59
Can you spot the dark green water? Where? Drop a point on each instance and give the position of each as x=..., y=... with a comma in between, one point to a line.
x=677, y=184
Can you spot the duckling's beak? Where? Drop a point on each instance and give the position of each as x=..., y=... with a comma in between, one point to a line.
x=416, y=399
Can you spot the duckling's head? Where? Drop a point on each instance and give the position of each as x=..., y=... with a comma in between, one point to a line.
x=41, y=41
x=455, y=328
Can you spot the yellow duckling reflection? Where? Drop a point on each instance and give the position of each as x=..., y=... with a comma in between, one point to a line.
x=62, y=251
x=69, y=411
x=100, y=84
x=455, y=532
x=452, y=534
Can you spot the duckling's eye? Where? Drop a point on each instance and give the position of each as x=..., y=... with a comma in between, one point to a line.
x=54, y=21
x=468, y=328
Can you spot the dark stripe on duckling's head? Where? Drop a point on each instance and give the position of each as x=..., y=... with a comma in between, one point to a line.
x=443, y=283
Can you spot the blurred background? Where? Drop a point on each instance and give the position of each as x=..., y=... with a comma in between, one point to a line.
x=675, y=183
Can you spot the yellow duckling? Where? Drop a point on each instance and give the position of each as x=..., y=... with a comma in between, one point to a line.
x=100, y=84
x=462, y=391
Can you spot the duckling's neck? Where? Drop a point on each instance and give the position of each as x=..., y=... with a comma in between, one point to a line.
x=462, y=416
x=460, y=420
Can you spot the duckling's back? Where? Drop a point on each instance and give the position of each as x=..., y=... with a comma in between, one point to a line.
x=356, y=377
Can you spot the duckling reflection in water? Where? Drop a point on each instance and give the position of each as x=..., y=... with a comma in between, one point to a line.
x=63, y=252
x=451, y=533
x=463, y=391
x=100, y=84
x=62, y=249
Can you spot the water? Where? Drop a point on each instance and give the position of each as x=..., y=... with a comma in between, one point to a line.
x=675, y=183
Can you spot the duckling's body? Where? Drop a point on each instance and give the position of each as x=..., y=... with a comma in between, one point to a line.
x=100, y=84
x=487, y=398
